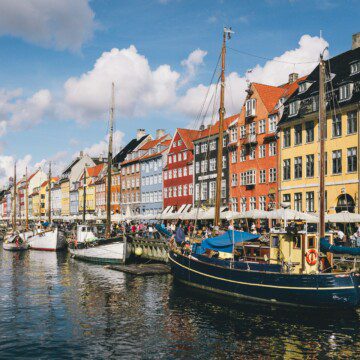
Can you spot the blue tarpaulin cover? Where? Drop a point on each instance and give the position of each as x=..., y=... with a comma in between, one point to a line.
x=162, y=230
x=225, y=241
x=325, y=246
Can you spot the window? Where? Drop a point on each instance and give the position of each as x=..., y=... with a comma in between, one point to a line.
x=204, y=147
x=272, y=148
x=315, y=103
x=191, y=189
x=261, y=151
x=212, y=166
x=287, y=138
x=204, y=191
x=272, y=175
x=336, y=126
x=252, y=203
x=212, y=145
x=170, y=159
x=262, y=125
x=197, y=167
x=250, y=177
x=179, y=190
x=197, y=149
x=298, y=201
x=175, y=173
x=252, y=130
x=262, y=202
x=309, y=128
x=286, y=198
x=243, y=204
x=191, y=169
x=309, y=165
x=234, y=202
x=336, y=158
x=298, y=134
x=351, y=122
x=234, y=180
x=252, y=153
x=204, y=164
x=242, y=153
x=179, y=142
x=272, y=123
x=180, y=172
x=294, y=108
x=224, y=162
x=175, y=191
x=185, y=171
x=185, y=190
x=242, y=131
x=233, y=134
x=298, y=167
x=243, y=178
x=344, y=92
x=286, y=169
x=184, y=155
x=355, y=67
x=233, y=156
x=212, y=188
x=352, y=159
x=224, y=141
x=174, y=158
x=302, y=87
x=179, y=157
x=170, y=174
x=250, y=106
x=262, y=178
x=310, y=201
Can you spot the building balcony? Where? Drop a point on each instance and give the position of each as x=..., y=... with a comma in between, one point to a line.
x=251, y=139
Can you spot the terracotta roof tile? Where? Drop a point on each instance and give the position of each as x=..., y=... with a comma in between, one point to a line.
x=94, y=170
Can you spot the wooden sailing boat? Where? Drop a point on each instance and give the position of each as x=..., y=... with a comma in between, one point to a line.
x=107, y=250
x=51, y=238
x=289, y=272
x=16, y=240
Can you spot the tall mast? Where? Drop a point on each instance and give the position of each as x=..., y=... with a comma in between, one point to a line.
x=26, y=201
x=109, y=160
x=14, y=199
x=226, y=34
x=322, y=128
x=49, y=194
x=84, y=196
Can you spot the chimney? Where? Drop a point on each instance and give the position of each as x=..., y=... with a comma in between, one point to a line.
x=140, y=133
x=160, y=133
x=355, y=41
x=202, y=127
x=293, y=77
x=81, y=154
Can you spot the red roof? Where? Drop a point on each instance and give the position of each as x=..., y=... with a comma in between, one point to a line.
x=188, y=136
x=152, y=143
x=94, y=170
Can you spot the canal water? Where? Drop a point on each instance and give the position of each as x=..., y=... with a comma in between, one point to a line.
x=53, y=307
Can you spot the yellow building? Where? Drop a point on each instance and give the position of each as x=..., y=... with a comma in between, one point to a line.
x=299, y=134
x=36, y=202
x=65, y=196
x=44, y=196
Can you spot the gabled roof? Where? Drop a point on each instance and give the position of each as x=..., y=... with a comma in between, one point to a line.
x=94, y=170
x=131, y=146
x=188, y=136
x=152, y=143
x=214, y=129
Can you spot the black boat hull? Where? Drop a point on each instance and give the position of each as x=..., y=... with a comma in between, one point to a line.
x=322, y=290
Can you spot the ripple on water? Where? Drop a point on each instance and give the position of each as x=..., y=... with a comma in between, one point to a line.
x=54, y=307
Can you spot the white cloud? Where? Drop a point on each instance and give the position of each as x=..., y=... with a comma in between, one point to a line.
x=101, y=148
x=18, y=113
x=63, y=24
x=273, y=72
x=7, y=167
x=193, y=61
x=139, y=89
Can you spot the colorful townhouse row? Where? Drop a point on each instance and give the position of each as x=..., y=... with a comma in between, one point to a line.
x=270, y=157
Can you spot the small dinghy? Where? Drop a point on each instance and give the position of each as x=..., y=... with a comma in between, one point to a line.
x=15, y=243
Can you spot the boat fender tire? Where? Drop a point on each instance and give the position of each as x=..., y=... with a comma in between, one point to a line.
x=311, y=257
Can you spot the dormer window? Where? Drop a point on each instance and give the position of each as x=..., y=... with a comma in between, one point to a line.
x=250, y=107
x=302, y=88
x=345, y=92
x=355, y=68
x=294, y=107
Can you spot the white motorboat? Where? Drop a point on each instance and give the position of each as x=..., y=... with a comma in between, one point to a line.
x=16, y=242
x=48, y=240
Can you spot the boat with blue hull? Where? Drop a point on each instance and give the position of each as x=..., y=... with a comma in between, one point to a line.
x=266, y=282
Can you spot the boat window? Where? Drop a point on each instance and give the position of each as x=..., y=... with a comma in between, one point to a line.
x=297, y=242
x=275, y=241
x=83, y=228
x=311, y=242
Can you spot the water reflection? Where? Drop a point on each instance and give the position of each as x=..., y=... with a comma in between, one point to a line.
x=55, y=307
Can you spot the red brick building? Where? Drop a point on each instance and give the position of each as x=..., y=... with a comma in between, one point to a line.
x=254, y=147
x=178, y=188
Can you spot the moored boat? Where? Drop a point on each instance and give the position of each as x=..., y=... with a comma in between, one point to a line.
x=48, y=240
x=15, y=242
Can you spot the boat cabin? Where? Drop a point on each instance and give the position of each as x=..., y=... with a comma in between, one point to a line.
x=86, y=233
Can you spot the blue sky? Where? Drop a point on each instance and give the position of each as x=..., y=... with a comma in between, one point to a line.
x=41, y=55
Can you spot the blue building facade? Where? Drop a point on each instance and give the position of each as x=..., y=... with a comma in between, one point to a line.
x=151, y=168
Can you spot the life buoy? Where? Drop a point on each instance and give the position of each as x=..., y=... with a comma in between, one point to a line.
x=311, y=257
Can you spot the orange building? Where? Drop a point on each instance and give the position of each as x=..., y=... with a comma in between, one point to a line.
x=254, y=148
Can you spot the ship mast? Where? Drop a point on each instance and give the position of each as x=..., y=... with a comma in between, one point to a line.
x=226, y=35
x=84, y=197
x=26, y=202
x=322, y=128
x=49, y=194
x=109, y=160
x=14, y=199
